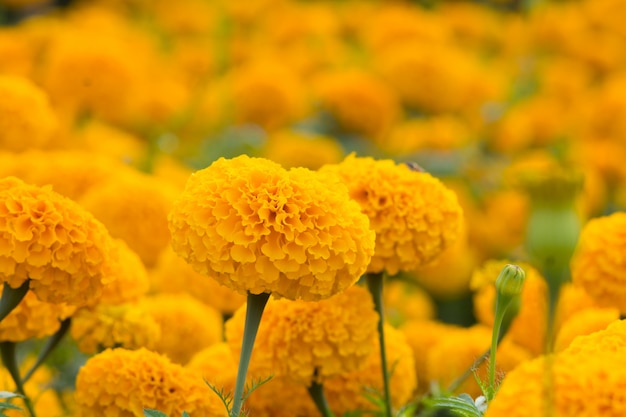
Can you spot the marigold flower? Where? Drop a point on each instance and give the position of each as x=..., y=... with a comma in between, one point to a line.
x=310, y=341
x=406, y=302
x=611, y=339
x=256, y=227
x=217, y=365
x=280, y=397
x=414, y=215
x=108, y=326
x=583, y=323
x=598, y=261
x=134, y=207
x=130, y=278
x=53, y=242
x=33, y=318
x=26, y=118
x=294, y=149
x=172, y=275
x=121, y=383
x=345, y=392
x=529, y=326
x=187, y=325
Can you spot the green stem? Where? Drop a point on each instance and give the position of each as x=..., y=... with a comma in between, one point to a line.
x=316, y=391
x=495, y=337
x=51, y=344
x=375, y=286
x=9, y=358
x=11, y=297
x=254, y=311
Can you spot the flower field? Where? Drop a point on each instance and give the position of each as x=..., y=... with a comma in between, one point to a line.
x=291, y=208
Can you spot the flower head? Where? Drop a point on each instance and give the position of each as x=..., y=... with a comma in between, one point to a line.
x=310, y=341
x=598, y=262
x=414, y=215
x=130, y=278
x=121, y=383
x=255, y=227
x=53, y=242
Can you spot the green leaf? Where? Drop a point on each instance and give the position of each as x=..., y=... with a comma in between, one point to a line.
x=9, y=406
x=460, y=406
x=185, y=414
x=7, y=394
x=153, y=413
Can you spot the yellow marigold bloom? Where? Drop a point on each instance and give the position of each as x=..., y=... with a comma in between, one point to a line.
x=121, y=383
x=256, y=227
x=281, y=397
x=405, y=301
x=104, y=139
x=217, y=365
x=107, y=326
x=52, y=241
x=441, y=132
x=187, y=325
x=610, y=339
x=345, y=392
x=583, y=323
x=422, y=336
x=310, y=341
x=33, y=318
x=572, y=299
x=359, y=102
x=529, y=326
x=172, y=275
x=134, y=207
x=130, y=278
x=293, y=149
x=26, y=118
x=455, y=353
x=598, y=261
x=414, y=215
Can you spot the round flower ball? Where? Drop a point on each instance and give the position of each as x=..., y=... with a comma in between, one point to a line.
x=310, y=341
x=130, y=277
x=256, y=227
x=52, y=241
x=414, y=215
x=121, y=383
x=598, y=263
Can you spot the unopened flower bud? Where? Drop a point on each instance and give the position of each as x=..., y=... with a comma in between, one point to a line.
x=510, y=281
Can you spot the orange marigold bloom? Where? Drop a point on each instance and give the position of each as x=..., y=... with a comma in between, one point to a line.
x=187, y=325
x=583, y=323
x=121, y=383
x=107, y=326
x=26, y=118
x=130, y=278
x=217, y=365
x=33, y=318
x=52, y=241
x=295, y=149
x=414, y=215
x=255, y=227
x=310, y=341
x=598, y=262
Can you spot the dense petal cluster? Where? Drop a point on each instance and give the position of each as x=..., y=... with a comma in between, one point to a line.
x=414, y=215
x=33, y=318
x=599, y=261
x=583, y=323
x=310, y=341
x=253, y=226
x=121, y=383
x=26, y=118
x=107, y=326
x=53, y=242
x=187, y=325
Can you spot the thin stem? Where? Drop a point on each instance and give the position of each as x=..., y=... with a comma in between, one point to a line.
x=254, y=311
x=11, y=297
x=9, y=358
x=495, y=337
x=316, y=391
x=51, y=344
x=375, y=286
x=479, y=361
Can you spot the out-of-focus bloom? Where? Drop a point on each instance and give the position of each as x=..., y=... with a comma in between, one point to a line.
x=422, y=336
x=598, y=261
x=359, y=102
x=130, y=278
x=456, y=352
x=310, y=341
x=414, y=215
x=104, y=139
x=583, y=323
x=256, y=227
x=107, y=326
x=346, y=392
x=134, y=207
x=26, y=118
x=52, y=241
x=572, y=299
x=121, y=383
x=442, y=132
x=280, y=397
x=529, y=327
x=187, y=325
x=293, y=149
x=611, y=339
x=172, y=275
x=33, y=318
x=405, y=301
x=217, y=365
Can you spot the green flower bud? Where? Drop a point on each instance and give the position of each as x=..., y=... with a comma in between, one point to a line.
x=510, y=281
